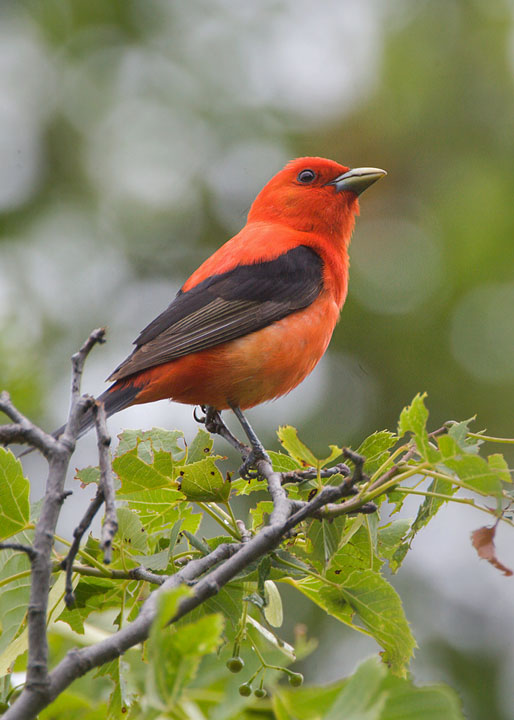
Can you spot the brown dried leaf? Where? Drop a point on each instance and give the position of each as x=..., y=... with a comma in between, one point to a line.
x=483, y=542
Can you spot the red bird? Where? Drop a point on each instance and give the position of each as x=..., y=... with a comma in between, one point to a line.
x=256, y=317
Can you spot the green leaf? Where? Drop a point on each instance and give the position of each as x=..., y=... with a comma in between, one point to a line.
x=158, y=439
x=498, y=465
x=378, y=606
x=473, y=470
x=273, y=610
x=356, y=551
x=242, y=486
x=459, y=432
x=131, y=531
x=413, y=419
x=375, y=449
x=306, y=703
x=325, y=536
x=260, y=513
x=404, y=700
x=360, y=699
x=88, y=475
x=200, y=447
x=227, y=602
x=390, y=537
x=431, y=505
x=202, y=481
x=137, y=475
x=283, y=463
x=157, y=509
x=120, y=699
x=14, y=596
x=175, y=652
x=288, y=437
x=14, y=496
x=91, y=595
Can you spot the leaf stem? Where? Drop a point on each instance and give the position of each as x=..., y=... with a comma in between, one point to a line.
x=207, y=507
x=489, y=438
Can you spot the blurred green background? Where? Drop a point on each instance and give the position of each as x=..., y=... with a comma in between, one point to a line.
x=134, y=134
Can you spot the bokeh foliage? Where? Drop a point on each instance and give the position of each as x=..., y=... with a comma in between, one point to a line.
x=134, y=135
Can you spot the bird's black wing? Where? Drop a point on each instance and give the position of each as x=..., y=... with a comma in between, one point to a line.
x=227, y=306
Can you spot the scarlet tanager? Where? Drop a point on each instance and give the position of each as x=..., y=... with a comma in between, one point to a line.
x=257, y=316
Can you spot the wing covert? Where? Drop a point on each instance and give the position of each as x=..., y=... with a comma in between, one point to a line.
x=227, y=306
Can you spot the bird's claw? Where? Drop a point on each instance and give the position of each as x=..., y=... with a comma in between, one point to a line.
x=202, y=419
x=249, y=470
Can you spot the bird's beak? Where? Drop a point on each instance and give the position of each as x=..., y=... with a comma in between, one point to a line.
x=357, y=179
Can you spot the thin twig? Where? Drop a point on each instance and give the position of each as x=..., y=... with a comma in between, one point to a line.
x=23, y=430
x=27, y=549
x=58, y=453
x=78, y=533
x=110, y=524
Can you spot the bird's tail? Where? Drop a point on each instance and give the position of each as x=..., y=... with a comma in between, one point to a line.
x=116, y=398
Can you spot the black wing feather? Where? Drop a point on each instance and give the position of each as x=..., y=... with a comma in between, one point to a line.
x=228, y=306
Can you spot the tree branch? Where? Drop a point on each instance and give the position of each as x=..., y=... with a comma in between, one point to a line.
x=58, y=453
x=224, y=564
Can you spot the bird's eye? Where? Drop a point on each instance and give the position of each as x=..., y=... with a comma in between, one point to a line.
x=306, y=176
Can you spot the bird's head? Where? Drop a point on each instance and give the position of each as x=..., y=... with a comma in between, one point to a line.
x=314, y=194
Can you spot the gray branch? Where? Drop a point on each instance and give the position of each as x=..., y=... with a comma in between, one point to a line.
x=110, y=525
x=206, y=575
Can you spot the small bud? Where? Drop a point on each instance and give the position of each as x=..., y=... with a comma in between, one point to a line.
x=296, y=679
x=260, y=692
x=235, y=664
x=245, y=689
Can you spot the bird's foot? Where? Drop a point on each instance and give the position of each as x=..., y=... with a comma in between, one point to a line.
x=215, y=425
x=249, y=469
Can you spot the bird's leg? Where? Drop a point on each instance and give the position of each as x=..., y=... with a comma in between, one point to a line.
x=214, y=424
x=257, y=452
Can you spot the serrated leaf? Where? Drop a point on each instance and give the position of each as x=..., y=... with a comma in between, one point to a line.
x=88, y=475
x=157, y=509
x=202, y=481
x=175, y=652
x=356, y=550
x=138, y=476
x=413, y=419
x=472, y=470
x=391, y=536
x=376, y=603
x=288, y=437
x=431, y=505
x=498, y=465
x=360, y=699
x=283, y=463
x=14, y=596
x=379, y=607
x=131, y=531
x=14, y=496
x=200, y=447
x=18, y=646
x=120, y=699
x=325, y=536
x=159, y=439
x=260, y=512
x=375, y=449
x=91, y=595
x=404, y=700
x=228, y=602
x=242, y=486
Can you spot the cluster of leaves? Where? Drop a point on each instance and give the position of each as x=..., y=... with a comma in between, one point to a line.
x=166, y=489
